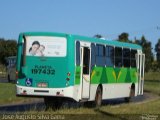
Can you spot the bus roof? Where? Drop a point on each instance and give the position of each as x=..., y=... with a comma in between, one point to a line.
x=110, y=42
x=89, y=39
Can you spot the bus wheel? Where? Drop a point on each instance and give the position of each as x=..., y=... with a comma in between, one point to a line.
x=52, y=103
x=47, y=102
x=89, y=104
x=131, y=95
x=98, y=97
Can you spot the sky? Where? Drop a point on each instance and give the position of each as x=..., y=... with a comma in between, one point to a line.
x=109, y=18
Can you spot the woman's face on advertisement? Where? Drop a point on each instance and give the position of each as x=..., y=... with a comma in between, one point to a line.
x=35, y=47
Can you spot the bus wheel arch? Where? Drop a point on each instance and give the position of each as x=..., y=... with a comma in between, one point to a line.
x=131, y=93
x=98, y=95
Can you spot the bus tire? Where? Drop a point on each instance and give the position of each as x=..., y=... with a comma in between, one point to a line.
x=131, y=95
x=89, y=104
x=52, y=103
x=98, y=97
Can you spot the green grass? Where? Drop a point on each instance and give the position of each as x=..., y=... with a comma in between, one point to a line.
x=151, y=107
x=152, y=76
x=152, y=86
x=116, y=112
x=152, y=82
x=8, y=94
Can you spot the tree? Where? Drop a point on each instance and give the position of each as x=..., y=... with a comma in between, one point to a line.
x=98, y=36
x=123, y=37
x=157, y=49
x=7, y=48
x=147, y=50
x=155, y=66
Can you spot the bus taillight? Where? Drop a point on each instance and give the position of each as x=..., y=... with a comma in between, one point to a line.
x=68, y=75
x=16, y=74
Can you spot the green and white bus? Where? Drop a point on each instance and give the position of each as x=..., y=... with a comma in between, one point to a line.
x=59, y=66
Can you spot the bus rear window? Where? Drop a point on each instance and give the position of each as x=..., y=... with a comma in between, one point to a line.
x=46, y=46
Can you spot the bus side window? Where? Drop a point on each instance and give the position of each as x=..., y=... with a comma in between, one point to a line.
x=86, y=60
x=77, y=53
x=93, y=58
x=126, y=57
x=133, y=58
x=118, y=57
x=100, y=55
x=109, y=56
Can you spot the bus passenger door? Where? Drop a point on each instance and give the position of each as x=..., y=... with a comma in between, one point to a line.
x=85, y=70
x=140, y=70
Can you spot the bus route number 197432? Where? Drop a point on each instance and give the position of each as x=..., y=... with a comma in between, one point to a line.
x=43, y=70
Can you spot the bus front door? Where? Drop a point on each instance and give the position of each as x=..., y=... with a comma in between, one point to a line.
x=85, y=76
x=140, y=69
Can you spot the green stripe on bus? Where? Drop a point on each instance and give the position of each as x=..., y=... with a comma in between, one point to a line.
x=77, y=75
x=100, y=75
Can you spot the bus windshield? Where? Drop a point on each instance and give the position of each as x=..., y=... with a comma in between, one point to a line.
x=46, y=46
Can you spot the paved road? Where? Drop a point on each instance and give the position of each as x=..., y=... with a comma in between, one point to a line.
x=39, y=106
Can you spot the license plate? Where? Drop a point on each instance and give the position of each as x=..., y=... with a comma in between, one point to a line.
x=43, y=85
